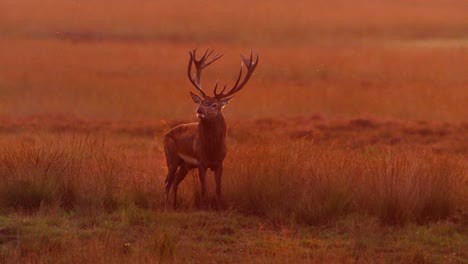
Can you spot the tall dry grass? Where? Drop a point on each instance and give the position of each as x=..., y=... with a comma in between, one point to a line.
x=81, y=174
x=286, y=181
x=298, y=181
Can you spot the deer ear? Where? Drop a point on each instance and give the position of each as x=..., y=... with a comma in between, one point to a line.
x=196, y=98
x=225, y=101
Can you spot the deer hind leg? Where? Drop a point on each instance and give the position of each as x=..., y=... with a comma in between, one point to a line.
x=179, y=177
x=173, y=163
x=172, y=170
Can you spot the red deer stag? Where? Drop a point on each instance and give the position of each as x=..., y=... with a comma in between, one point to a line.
x=202, y=145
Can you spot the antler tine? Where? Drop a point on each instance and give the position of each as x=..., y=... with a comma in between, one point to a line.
x=216, y=57
x=216, y=85
x=189, y=72
x=216, y=90
x=203, y=58
x=199, y=66
x=240, y=74
x=250, y=69
x=201, y=63
x=204, y=55
x=249, y=62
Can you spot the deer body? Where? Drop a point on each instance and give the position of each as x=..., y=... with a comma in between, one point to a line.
x=198, y=144
x=201, y=145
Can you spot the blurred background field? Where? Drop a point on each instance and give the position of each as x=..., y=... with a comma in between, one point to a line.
x=127, y=59
x=349, y=144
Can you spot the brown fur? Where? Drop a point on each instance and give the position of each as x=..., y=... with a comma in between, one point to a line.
x=205, y=142
x=202, y=145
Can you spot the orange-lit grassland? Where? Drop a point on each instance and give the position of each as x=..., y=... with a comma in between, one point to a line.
x=404, y=60
x=354, y=123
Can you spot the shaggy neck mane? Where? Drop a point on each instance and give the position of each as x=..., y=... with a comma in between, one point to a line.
x=213, y=133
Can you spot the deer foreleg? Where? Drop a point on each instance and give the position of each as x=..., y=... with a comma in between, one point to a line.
x=202, y=176
x=218, y=172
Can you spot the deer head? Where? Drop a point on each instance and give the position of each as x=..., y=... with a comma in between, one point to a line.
x=210, y=106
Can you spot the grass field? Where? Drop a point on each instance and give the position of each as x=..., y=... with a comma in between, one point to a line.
x=348, y=145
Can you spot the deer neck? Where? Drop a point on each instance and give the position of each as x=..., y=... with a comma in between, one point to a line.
x=212, y=136
x=212, y=130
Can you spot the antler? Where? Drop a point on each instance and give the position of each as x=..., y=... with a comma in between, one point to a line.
x=199, y=66
x=237, y=87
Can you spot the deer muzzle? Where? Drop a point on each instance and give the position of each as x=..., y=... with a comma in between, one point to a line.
x=200, y=112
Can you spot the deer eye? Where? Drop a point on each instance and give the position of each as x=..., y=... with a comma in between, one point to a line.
x=214, y=105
